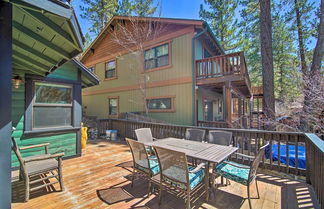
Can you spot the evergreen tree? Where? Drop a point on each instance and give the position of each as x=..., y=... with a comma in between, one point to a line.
x=221, y=17
x=287, y=77
x=125, y=8
x=250, y=30
x=144, y=8
x=98, y=13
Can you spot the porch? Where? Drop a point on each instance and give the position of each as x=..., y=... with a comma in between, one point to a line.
x=106, y=184
x=224, y=89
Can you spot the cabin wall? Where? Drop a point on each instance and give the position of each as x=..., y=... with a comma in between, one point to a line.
x=174, y=81
x=59, y=142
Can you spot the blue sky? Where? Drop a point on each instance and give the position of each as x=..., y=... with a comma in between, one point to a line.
x=173, y=9
x=170, y=8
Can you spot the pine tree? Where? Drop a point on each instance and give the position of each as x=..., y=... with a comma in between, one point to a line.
x=125, y=8
x=98, y=12
x=286, y=77
x=144, y=8
x=250, y=30
x=221, y=17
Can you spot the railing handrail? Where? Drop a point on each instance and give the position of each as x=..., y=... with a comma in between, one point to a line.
x=220, y=56
x=230, y=129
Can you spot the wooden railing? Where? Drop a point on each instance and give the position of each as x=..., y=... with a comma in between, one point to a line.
x=229, y=64
x=315, y=165
x=248, y=141
x=214, y=124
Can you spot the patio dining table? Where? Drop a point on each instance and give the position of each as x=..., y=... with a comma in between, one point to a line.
x=210, y=153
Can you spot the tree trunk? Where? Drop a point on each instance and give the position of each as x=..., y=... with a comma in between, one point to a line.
x=311, y=82
x=300, y=39
x=267, y=59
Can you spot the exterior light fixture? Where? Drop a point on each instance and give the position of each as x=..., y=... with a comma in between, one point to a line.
x=17, y=81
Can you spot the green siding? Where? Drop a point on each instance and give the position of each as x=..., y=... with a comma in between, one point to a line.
x=66, y=71
x=58, y=142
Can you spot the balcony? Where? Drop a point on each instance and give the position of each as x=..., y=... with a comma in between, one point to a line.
x=215, y=71
x=101, y=177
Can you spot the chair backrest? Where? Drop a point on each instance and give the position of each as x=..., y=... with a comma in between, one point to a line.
x=220, y=137
x=195, y=134
x=173, y=165
x=139, y=153
x=256, y=162
x=144, y=135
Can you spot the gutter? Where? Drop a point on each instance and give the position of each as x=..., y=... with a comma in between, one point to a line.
x=193, y=58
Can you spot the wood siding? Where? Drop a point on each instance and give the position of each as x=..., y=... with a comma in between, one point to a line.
x=175, y=80
x=66, y=142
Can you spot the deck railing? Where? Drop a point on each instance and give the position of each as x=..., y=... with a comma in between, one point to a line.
x=214, y=124
x=248, y=141
x=228, y=64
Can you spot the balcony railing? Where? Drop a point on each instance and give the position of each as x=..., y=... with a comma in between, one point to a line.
x=228, y=64
x=248, y=141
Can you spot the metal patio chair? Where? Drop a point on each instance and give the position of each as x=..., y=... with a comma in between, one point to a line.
x=141, y=162
x=220, y=137
x=176, y=174
x=241, y=173
x=46, y=166
x=195, y=134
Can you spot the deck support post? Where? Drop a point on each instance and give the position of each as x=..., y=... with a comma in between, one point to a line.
x=5, y=103
x=227, y=94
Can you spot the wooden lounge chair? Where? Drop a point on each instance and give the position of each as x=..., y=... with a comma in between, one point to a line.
x=142, y=163
x=195, y=134
x=45, y=166
x=241, y=173
x=176, y=174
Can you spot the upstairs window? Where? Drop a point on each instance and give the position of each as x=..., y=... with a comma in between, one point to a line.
x=52, y=105
x=110, y=69
x=156, y=57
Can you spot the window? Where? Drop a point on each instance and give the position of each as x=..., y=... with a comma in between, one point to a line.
x=52, y=105
x=110, y=70
x=157, y=57
x=113, y=106
x=160, y=104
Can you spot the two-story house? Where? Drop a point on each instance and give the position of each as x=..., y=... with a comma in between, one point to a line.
x=180, y=75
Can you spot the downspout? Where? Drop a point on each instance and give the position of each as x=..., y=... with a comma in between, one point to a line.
x=193, y=59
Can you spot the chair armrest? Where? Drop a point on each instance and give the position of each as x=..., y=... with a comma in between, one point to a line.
x=198, y=168
x=40, y=158
x=34, y=146
x=238, y=166
x=246, y=156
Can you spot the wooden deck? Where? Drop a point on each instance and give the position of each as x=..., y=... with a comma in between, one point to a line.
x=100, y=179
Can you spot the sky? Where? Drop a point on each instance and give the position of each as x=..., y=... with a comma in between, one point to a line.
x=170, y=8
x=173, y=9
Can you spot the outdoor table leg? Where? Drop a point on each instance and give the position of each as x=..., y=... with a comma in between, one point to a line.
x=207, y=181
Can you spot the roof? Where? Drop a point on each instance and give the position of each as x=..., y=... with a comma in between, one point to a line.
x=46, y=34
x=182, y=21
x=88, y=78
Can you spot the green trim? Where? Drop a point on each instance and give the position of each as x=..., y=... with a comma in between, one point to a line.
x=41, y=40
x=25, y=65
x=48, y=23
x=30, y=61
x=34, y=52
x=319, y=143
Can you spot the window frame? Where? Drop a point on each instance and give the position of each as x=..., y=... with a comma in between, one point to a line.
x=34, y=104
x=169, y=43
x=105, y=72
x=117, y=98
x=29, y=101
x=172, y=109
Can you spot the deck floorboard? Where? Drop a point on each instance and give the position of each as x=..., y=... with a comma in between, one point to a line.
x=101, y=179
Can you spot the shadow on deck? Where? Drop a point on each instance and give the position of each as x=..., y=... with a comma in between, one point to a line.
x=101, y=179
